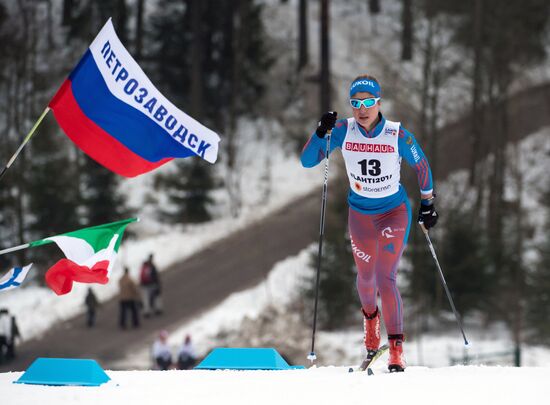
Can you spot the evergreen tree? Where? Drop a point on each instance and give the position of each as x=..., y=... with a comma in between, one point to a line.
x=231, y=34
x=504, y=40
x=538, y=288
x=8, y=186
x=101, y=199
x=171, y=29
x=85, y=18
x=40, y=190
x=462, y=253
x=52, y=190
x=338, y=300
x=465, y=263
x=189, y=194
x=423, y=287
x=53, y=193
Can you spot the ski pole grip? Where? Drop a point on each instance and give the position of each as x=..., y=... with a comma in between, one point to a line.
x=423, y=227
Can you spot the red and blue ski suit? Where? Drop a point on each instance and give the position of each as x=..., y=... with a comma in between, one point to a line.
x=379, y=212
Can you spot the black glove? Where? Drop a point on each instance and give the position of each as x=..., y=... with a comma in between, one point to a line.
x=427, y=214
x=327, y=122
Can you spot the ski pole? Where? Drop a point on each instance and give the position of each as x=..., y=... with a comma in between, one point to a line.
x=27, y=138
x=444, y=282
x=312, y=357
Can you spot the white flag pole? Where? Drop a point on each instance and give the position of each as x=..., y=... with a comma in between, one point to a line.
x=15, y=248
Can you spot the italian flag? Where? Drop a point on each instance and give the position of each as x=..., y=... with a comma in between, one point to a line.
x=90, y=255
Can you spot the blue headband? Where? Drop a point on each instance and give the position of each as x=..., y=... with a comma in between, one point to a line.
x=364, y=85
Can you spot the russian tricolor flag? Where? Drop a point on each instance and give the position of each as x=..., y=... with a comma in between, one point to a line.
x=111, y=110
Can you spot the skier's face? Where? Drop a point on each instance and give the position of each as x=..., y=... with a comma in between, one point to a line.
x=366, y=117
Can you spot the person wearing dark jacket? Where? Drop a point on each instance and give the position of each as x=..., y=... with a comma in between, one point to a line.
x=150, y=288
x=187, y=357
x=92, y=304
x=9, y=331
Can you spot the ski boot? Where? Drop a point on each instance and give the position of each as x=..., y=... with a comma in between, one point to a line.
x=396, y=362
x=371, y=325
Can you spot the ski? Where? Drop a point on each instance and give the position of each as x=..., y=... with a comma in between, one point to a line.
x=372, y=356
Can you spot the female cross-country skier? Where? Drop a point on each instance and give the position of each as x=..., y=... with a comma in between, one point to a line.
x=379, y=212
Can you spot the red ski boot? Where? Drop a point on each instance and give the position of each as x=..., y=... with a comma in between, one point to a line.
x=372, y=330
x=396, y=363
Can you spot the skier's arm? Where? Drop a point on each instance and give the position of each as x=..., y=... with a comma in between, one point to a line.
x=315, y=149
x=411, y=151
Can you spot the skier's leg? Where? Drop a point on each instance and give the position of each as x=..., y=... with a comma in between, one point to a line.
x=393, y=229
x=363, y=245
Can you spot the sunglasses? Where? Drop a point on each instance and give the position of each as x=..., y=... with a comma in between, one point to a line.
x=367, y=102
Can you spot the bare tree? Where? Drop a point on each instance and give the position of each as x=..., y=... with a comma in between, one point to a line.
x=235, y=35
x=518, y=275
x=139, y=29
x=325, y=95
x=68, y=6
x=374, y=7
x=477, y=121
x=121, y=19
x=196, y=59
x=407, y=32
x=303, y=52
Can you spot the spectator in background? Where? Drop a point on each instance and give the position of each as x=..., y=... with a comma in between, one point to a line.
x=92, y=304
x=128, y=298
x=150, y=288
x=5, y=330
x=9, y=332
x=162, y=353
x=186, y=355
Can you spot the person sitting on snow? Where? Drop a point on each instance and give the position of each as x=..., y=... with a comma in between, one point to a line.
x=186, y=355
x=162, y=352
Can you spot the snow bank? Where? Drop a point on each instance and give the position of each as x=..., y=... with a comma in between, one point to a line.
x=325, y=385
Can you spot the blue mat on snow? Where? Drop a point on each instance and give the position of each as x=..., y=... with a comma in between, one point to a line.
x=52, y=371
x=245, y=359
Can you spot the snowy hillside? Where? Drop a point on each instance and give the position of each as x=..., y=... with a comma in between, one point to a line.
x=326, y=385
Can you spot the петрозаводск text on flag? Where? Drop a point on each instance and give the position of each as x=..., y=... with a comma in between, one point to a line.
x=110, y=109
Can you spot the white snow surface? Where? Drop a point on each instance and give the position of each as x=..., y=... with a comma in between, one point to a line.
x=324, y=385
